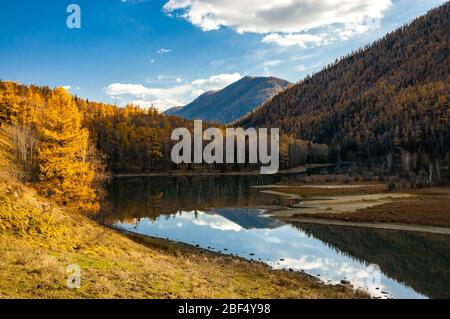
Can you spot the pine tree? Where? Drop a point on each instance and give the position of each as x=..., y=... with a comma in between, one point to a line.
x=29, y=109
x=9, y=102
x=155, y=149
x=65, y=174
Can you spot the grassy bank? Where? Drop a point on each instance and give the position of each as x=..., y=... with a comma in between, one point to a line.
x=40, y=239
x=427, y=207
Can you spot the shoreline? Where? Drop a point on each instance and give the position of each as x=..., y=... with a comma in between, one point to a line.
x=178, y=247
x=423, y=210
x=297, y=170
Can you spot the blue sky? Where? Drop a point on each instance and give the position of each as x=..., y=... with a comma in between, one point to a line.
x=167, y=52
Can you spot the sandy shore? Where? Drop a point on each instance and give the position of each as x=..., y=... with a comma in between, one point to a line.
x=426, y=210
x=336, y=204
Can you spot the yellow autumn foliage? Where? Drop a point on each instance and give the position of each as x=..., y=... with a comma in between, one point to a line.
x=65, y=175
x=9, y=102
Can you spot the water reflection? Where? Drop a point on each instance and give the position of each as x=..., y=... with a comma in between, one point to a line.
x=420, y=260
x=412, y=265
x=150, y=197
x=249, y=234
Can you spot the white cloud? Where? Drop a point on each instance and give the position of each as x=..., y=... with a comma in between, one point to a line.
x=289, y=17
x=272, y=63
x=285, y=40
x=303, y=68
x=69, y=87
x=268, y=16
x=163, y=51
x=303, y=57
x=217, y=82
x=164, y=98
x=306, y=262
x=141, y=103
x=349, y=30
x=217, y=222
x=131, y=89
x=163, y=77
x=210, y=220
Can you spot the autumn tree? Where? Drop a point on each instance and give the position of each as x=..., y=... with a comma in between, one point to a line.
x=65, y=175
x=9, y=102
x=377, y=103
x=29, y=108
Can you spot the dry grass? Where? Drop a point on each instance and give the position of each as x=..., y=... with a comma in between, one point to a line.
x=431, y=207
x=426, y=207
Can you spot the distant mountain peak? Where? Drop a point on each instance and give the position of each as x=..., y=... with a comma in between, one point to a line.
x=232, y=102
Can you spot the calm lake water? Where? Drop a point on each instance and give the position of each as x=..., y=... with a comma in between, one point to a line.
x=214, y=213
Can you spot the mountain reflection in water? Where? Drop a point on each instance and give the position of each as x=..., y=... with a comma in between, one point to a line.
x=413, y=265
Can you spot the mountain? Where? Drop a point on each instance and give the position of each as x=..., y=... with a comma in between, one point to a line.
x=173, y=110
x=248, y=219
x=386, y=100
x=232, y=102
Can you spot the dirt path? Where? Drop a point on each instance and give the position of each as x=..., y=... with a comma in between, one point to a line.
x=424, y=229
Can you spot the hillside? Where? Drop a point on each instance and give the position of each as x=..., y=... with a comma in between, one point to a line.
x=232, y=102
x=389, y=100
x=173, y=110
x=39, y=240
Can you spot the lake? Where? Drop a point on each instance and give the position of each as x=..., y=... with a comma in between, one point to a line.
x=218, y=214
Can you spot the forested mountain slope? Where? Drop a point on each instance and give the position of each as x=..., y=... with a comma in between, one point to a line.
x=385, y=100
